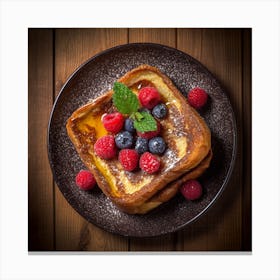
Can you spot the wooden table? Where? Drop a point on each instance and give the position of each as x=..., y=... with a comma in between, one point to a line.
x=53, y=54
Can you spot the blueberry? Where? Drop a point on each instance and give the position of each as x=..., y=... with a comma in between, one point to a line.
x=160, y=111
x=128, y=125
x=157, y=145
x=141, y=145
x=124, y=140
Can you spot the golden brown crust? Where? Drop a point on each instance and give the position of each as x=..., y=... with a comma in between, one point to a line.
x=198, y=134
x=172, y=188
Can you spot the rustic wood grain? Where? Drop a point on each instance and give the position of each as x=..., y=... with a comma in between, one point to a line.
x=73, y=47
x=247, y=143
x=165, y=36
x=220, y=51
x=40, y=98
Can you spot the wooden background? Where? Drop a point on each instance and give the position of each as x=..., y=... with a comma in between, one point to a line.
x=53, y=54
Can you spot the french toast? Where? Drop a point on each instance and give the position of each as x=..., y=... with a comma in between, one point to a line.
x=187, y=136
x=172, y=188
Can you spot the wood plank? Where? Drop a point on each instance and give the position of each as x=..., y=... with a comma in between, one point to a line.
x=154, y=244
x=73, y=47
x=220, y=51
x=40, y=182
x=165, y=36
x=247, y=147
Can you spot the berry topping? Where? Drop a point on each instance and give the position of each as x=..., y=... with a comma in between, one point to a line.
x=149, y=134
x=124, y=140
x=105, y=147
x=160, y=111
x=113, y=122
x=149, y=97
x=141, y=145
x=128, y=125
x=157, y=145
x=149, y=163
x=85, y=180
x=197, y=97
x=191, y=190
x=129, y=159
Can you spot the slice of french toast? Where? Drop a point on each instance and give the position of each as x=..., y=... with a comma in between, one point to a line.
x=172, y=188
x=186, y=134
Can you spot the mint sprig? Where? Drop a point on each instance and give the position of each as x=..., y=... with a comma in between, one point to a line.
x=146, y=123
x=127, y=103
x=138, y=116
x=124, y=99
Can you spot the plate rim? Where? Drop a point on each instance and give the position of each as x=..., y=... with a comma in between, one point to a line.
x=234, y=145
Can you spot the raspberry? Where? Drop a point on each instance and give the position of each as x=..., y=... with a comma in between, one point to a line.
x=149, y=134
x=191, y=190
x=105, y=147
x=128, y=159
x=149, y=163
x=85, y=180
x=197, y=97
x=149, y=97
x=113, y=122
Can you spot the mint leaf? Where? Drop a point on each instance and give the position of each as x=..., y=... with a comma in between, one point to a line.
x=127, y=102
x=146, y=123
x=124, y=99
x=138, y=116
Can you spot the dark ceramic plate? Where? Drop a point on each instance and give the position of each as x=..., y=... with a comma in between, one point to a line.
x=94, y=78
